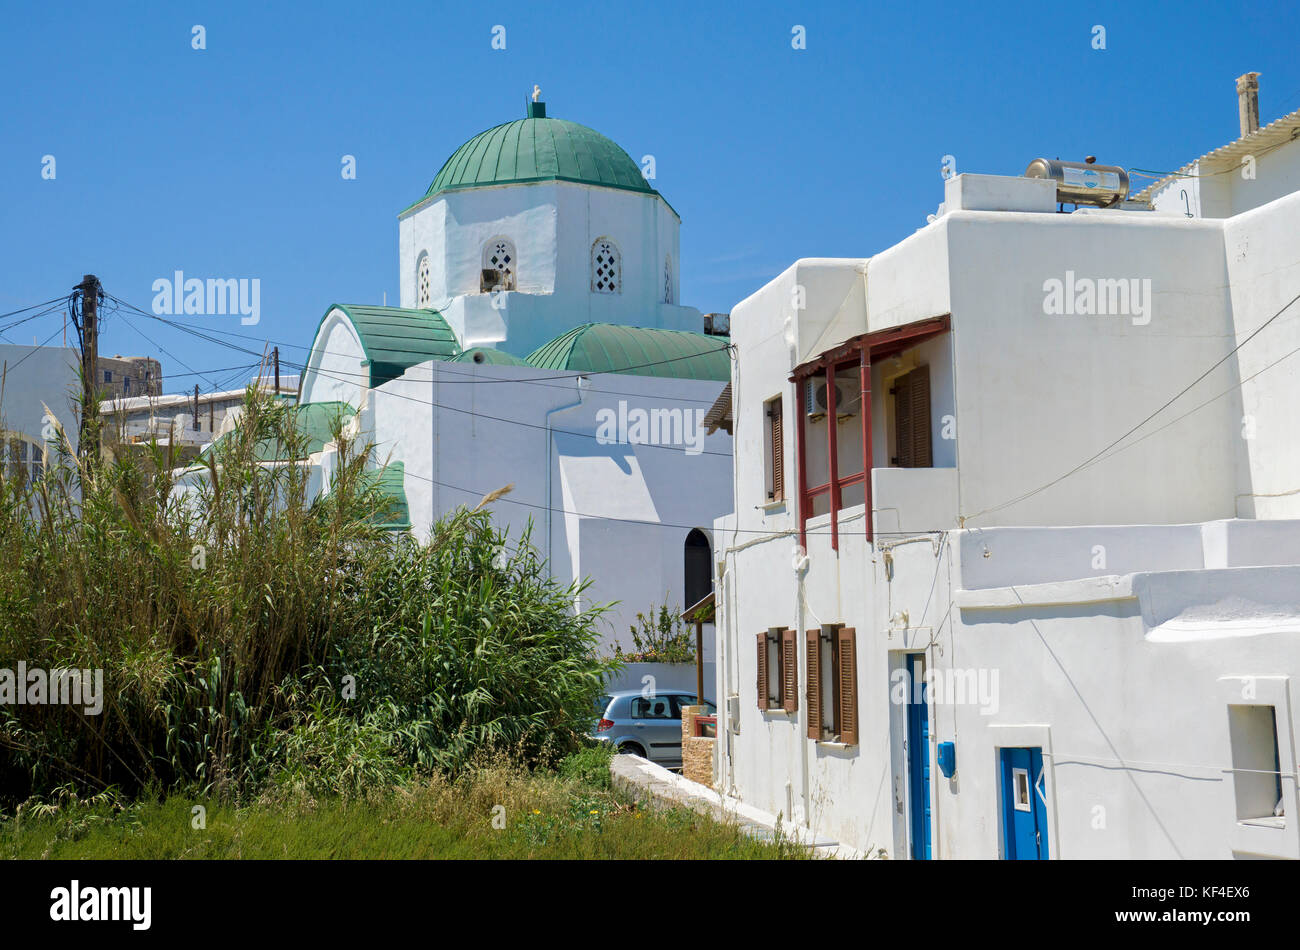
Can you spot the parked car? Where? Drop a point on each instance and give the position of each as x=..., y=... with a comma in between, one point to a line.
x=649, y=726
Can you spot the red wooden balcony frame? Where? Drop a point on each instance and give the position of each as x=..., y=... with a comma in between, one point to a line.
x=857, y=353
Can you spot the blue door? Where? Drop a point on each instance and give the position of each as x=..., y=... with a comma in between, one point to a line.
x=1024, y=805
x=918, y=757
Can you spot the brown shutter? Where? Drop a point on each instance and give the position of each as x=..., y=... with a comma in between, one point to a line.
x=762, y=671
x=922, y=457
x=902, y=392
x=790, y=670
x=847, y=670
x=911, y=393
x=813, y=644
x=778, y=449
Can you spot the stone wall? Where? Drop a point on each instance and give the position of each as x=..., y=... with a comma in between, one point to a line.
x=697, y=751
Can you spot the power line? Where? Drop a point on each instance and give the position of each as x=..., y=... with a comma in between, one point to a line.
x=61, y=305
x=59, y=300
x=1084, y=464
x=469, y=379
x=423, y=402
x=34, y=349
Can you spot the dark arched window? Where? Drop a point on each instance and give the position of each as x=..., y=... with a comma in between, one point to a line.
x=699, y=569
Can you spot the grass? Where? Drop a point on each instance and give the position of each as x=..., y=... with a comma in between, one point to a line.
x=493, y=811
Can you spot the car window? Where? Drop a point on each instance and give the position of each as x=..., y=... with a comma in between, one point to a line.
x=655, y=707
x=686, y=699
x=602, y=704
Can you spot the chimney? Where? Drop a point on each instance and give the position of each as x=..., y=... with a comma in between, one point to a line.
x=1248, y=102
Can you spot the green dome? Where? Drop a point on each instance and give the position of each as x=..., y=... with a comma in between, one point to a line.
x=539, y=149
x=637, y=351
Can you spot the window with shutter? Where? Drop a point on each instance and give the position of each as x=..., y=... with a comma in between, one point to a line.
x=832, y=684
x=790, y=670
x=813, y=646
x=761, y=687
x=776, y=450
x=911, y=393
x=846, y=655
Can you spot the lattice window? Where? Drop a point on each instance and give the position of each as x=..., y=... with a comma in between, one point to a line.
x=21, y=459
x=423, y=295
x=668, y=279
x=606, y=268
x=499, y=255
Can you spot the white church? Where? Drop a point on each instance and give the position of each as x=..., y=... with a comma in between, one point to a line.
x=540, y=343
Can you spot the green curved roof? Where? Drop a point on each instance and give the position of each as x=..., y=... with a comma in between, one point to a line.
x=315, y=422
x=637, y=351
x=390, y=482
x=395, y=338
x=539, y=149
x=489, y=356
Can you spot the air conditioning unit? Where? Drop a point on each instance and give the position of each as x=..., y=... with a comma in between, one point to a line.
x=848, y=398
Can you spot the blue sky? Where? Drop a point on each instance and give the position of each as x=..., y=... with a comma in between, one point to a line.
x=225, y=162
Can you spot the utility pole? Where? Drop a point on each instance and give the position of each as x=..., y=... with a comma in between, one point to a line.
x=275, y=354
x=88, y=437
x=196, y=407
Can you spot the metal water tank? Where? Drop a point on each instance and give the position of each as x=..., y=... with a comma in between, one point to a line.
x=1082, y=183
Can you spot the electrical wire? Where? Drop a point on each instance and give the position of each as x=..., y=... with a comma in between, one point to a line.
x=340, y=376
x=1095, y=457
x=469, y=378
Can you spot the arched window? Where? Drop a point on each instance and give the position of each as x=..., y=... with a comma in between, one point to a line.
x=423, y=296
x=498, y=265
x=22, y=460
x=668, y=279
x=699, y=570
x=606, y=267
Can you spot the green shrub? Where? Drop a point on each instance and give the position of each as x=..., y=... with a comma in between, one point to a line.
x=589, y=765
x=661, y=636
x=251, y=637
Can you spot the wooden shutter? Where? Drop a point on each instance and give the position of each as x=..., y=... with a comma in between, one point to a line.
x=922, y=457
x=790, y=670
x=762, y=671
x=902, y=393
x=814, y=648
x=777, y=428
x=847, y=676
x=911, y=393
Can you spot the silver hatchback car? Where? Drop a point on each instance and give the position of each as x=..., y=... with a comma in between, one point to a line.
x=648, y=726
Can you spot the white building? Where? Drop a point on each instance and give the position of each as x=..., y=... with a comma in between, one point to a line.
x=1056, y=493
x=540, y=344
x=38, y=385
x=180, y=418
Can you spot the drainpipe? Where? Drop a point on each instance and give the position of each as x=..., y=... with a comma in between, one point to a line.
x=580, y=385
x=799, y=563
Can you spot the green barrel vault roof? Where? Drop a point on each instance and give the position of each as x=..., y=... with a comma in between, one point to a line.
x=390, y=482
x=315, y=423
x=539, y=149
x=396, y=338
x=489, y=356
x=637, y=351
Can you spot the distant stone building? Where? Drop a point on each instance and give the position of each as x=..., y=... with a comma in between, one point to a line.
x=128, y=376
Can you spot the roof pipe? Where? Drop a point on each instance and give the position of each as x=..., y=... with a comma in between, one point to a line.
x=1248, y=102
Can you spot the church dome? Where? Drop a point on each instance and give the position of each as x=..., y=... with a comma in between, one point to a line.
x=537, y=148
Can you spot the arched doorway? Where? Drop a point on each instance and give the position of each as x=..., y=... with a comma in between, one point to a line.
x=697, y=559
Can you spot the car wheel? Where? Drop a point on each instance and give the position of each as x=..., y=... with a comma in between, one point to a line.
x=631, y=748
